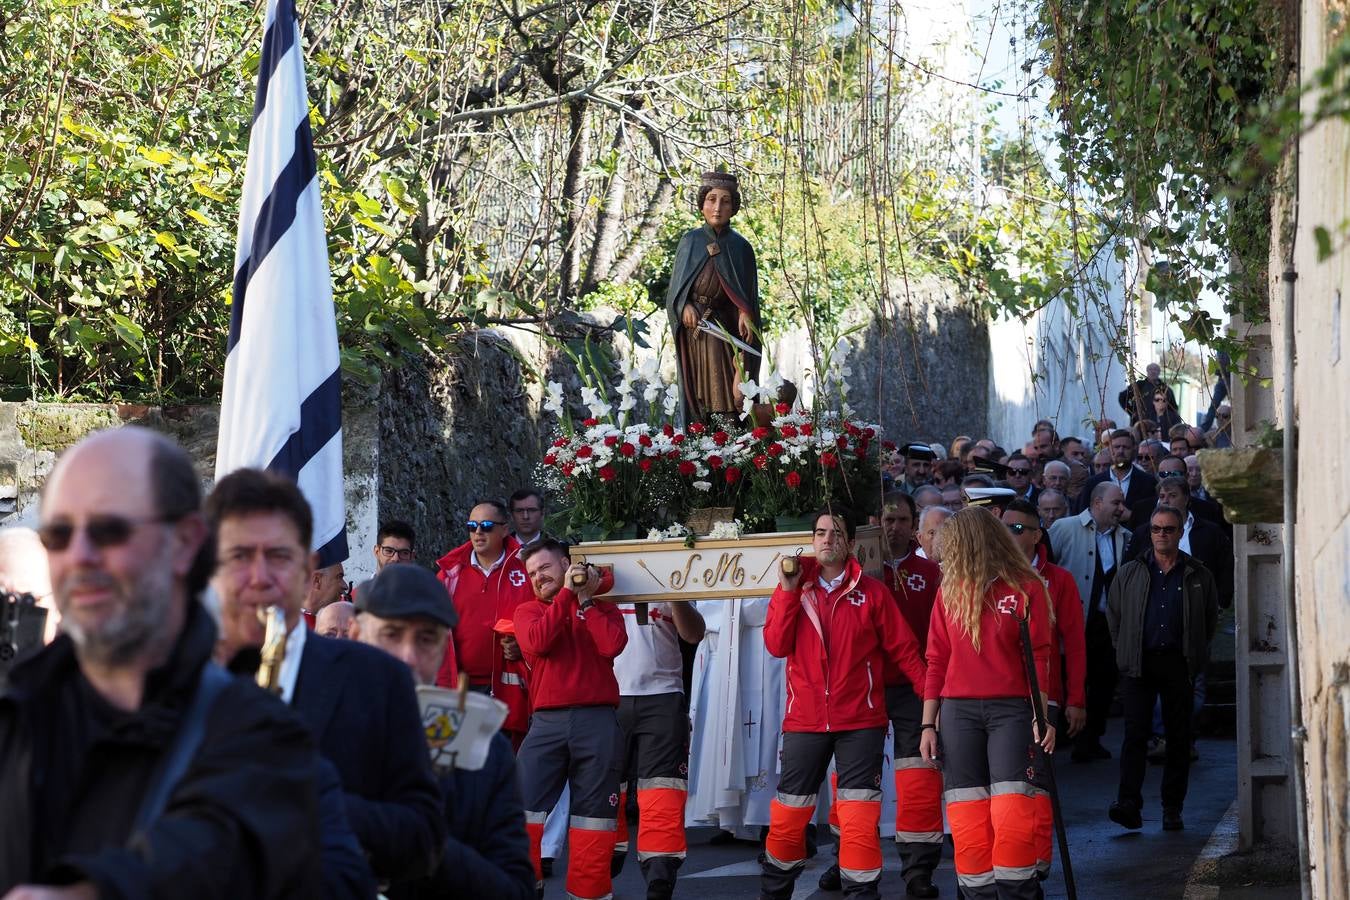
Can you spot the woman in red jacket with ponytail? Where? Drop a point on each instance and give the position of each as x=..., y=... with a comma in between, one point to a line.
x=986, y=732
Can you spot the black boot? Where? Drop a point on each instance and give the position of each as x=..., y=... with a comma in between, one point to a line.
x=921, y=885
x=660, y=889
x=830, y=880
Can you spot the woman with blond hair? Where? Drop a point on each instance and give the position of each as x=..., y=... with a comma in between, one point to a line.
x=987, y=732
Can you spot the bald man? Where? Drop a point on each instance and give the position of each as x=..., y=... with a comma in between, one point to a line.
x=335, y=620
x=128, y=555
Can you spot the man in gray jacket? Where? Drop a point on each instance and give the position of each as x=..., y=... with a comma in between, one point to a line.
x=1162, y=609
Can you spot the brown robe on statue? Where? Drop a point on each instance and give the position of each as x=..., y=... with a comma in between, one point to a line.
x=707, y=360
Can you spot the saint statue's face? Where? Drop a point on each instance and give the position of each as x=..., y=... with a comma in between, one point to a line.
x=717, y=207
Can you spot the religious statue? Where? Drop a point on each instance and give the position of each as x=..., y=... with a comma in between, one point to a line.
x=713, y=305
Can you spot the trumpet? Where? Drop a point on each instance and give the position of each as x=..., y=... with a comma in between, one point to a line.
x=273, y=649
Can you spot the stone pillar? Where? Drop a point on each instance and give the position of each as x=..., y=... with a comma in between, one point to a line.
x=1265, y=803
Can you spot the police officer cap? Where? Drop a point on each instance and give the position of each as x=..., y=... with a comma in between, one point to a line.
x=988, y=496
x=918, y=450
x=406, y=591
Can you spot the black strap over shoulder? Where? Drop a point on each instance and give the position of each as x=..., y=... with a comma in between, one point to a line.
x=178, y=757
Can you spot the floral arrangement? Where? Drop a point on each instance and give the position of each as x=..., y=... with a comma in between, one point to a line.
x=616, y=476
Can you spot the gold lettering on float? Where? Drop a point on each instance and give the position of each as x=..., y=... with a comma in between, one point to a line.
x=680, y=579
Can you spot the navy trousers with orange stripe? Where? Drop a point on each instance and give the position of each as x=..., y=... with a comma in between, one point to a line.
x=918, y=789
x=805, y=759
x=990, y=773
x=578, y=746
x=655, y=765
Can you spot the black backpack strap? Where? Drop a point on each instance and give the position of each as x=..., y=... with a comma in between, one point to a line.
x=178, y=757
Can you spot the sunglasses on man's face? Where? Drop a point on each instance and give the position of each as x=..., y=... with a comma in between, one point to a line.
x=1018, y=528
x=103, y=531
x=1022, y=472
x=1163, y=529
x=485, y=525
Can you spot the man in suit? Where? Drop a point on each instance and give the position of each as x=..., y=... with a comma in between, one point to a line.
x=1137, y=399
x=1134, y=483
x=1175, y=467
x=1200, y=539
x=1018, y=477
x=1092, y=545
x=358, y=702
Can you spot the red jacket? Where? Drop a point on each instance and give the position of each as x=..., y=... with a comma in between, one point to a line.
x=838, y=647
x=914, y=581
x=1069, y=637
x=481, y=601
x=571, y=653
x=955, y=669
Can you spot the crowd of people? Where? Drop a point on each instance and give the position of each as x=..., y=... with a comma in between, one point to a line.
x=1025, y=593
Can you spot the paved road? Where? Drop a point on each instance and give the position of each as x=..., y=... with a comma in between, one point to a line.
x=1109, y=863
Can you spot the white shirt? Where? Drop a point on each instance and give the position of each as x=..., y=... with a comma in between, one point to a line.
x=538, y=535
x=1122, y=483
x=290, y=662
x=833, y=582
x=1106, y=549
x=473, y=561
x=651, y=662
x=1186, y=533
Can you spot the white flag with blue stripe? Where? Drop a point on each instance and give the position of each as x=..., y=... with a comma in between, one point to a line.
x=282, y=404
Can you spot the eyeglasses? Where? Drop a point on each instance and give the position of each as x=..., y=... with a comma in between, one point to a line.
x=1018, y=528
x=486, y=525
x=1163, y=529
x=104, y=531
x=527, y=510
x=403, y=554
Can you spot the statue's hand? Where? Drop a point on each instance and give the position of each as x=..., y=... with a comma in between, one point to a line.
x=690, y=316
x=745, y=326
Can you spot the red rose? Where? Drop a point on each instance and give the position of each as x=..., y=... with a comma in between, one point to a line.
x=628, y=449
x=585, y=453
x=590, y=423
x=761, y=461
x=720, y=438
x=568, y=468
x=644, y=440
x=733, y=474
x=775, y=449
x=841, y=442
x=793, y=479
x=696, y=428
x=861, y=451
x=560, y=442
x=606, y=473
x=829, y=460
x=807, y=429
x=645, y=465
x=782, y=409
x=852, y=429
x=889, y=445
x=611, y=440
x=677, y=440
x=550, y=458
x=687, y=468
x=869, y=432
x=788, y=431
x=715, y=462
x=668, y=430
x=672, y=454
x=760, y=433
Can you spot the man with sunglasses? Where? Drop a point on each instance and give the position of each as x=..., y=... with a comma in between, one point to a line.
x=1162, y=610
x=1019, y=477
x=486, y=581
x=92, y=725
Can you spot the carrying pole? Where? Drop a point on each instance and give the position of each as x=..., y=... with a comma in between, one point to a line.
x=1038, y=710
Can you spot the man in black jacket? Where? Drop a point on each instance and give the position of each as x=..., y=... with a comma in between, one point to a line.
x=1134, y=482
x=1162, y=610
x=87, y=724
x=359, y=704
x=406, y=612
x=1200, y=539
x=1137, y=399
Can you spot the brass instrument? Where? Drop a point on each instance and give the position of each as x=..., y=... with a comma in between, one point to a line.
x=273, y=649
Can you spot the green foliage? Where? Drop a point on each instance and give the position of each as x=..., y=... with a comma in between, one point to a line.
x=1154, y=101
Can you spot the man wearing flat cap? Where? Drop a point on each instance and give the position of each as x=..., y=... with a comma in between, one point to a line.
x=713, y=301
x=919, y=459
x=405, y=612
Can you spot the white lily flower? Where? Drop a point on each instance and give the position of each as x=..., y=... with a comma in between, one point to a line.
x=703, y=485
